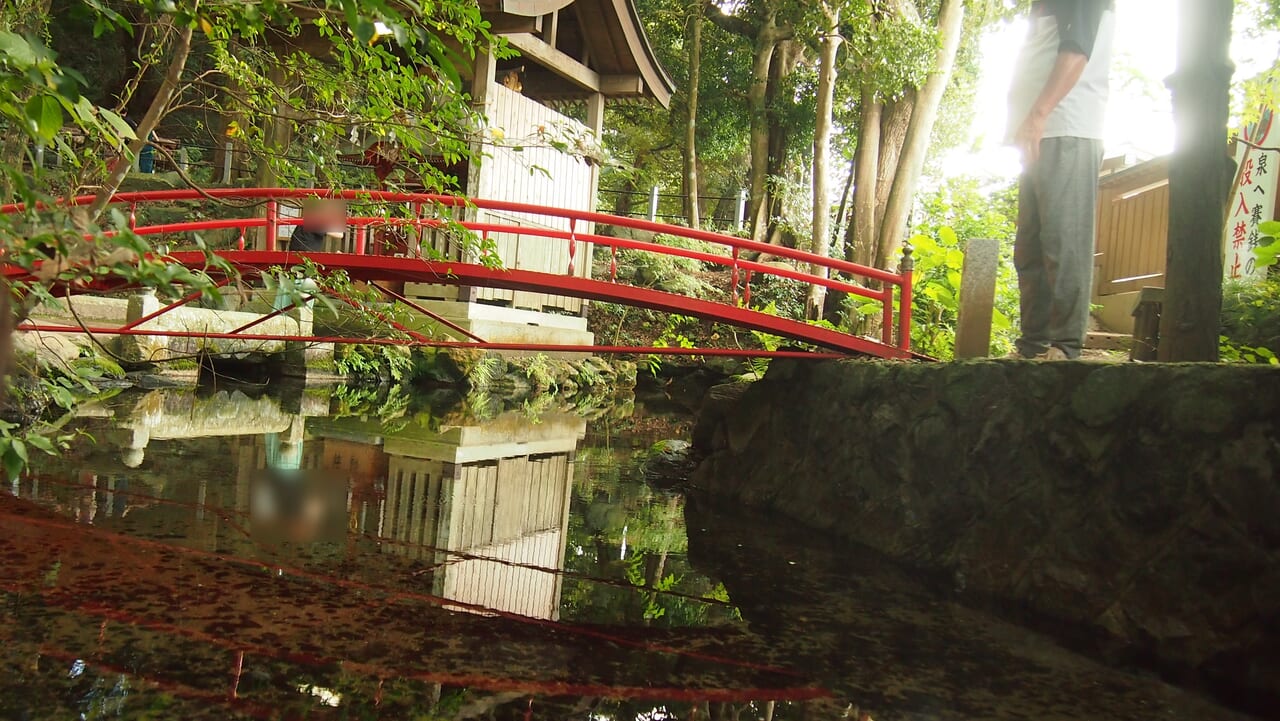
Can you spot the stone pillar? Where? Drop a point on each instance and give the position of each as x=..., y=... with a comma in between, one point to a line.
x=302, y=357
x=595, y=121
x=977, y=298
x=141, y=347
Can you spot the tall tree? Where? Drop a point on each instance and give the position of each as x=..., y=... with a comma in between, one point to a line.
x=692, y=210
x=830, y=47
x=950, y=25
x=767, y=38
x=1199, y=181
x=771, y=27
x=898, y=111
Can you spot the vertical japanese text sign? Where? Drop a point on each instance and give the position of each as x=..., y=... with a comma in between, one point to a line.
x=1253, y=199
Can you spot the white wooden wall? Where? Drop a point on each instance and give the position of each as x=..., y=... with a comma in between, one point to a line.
x=535, y=174
x=513, y=510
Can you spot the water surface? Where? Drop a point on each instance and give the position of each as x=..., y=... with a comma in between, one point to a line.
x=234, y=554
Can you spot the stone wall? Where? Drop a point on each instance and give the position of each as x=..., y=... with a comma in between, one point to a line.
x=1140, y=500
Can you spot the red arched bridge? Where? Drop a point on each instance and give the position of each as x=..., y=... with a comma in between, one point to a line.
x=388, y=243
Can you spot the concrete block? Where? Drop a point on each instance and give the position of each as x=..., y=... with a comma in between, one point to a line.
x=977, y=298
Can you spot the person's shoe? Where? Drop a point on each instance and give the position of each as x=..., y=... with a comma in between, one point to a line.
x=1055, y=354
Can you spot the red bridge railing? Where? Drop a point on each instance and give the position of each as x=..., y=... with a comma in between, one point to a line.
x=421, y=211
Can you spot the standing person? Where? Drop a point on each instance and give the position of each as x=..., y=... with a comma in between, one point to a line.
x=322, y=219
x=1056, y=109
x=147, y=155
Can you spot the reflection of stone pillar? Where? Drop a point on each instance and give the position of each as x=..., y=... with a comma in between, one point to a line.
x=133, y=455
x=297, y=430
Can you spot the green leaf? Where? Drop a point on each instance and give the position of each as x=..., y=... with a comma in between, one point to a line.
x=923, y=244
x=364, y=30
x=43, y=444
x=20, y=449
x=13, y=465
x=947, y=236
x=1269, y=227
x=1267, y=255
x=17, y=49
x=45, y=116
x=999, y=320
x=118, y=124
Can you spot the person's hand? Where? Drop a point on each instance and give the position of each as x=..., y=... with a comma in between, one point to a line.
x=1028, y=137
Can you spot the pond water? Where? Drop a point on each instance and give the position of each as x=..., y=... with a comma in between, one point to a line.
x=229, y=553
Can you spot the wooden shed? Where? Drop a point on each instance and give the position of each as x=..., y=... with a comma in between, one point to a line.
x=575, y=55
x=1133, y=228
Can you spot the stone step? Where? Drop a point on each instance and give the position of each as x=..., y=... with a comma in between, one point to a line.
x=1098, y=340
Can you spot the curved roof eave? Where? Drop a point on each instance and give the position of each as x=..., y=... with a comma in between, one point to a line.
x=655, y=76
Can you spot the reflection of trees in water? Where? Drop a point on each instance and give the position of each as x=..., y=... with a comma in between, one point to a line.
x=624, y=530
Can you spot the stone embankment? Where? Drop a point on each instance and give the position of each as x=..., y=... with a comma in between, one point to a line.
x=1139, y=501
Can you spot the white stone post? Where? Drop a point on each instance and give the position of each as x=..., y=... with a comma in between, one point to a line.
x=977, y=298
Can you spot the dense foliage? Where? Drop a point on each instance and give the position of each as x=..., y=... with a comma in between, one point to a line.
x=959, y=211
x=286, y=83
x=1251, y=321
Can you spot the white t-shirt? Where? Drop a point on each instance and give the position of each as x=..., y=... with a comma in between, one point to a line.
x=1081, y=114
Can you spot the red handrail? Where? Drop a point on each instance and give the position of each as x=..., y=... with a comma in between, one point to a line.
x=272, y=220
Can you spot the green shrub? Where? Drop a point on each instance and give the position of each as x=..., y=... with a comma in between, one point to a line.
x=1251, y=315
x=959, y=211
x=373, y=362
x=666, y=272
x=785, y=296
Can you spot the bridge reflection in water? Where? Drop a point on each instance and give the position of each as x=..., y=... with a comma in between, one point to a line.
x=485, y=504
x=428, y=551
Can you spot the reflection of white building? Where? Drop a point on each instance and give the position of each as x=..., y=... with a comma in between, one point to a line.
x=488, y=504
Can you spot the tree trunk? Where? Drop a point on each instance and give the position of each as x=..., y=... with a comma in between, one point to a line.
x=159, y=106
x=821, y=150
x=1199, y=178
x=893, y=135
x=863, y=228
x=757, y=104
x=841, y=218
x=692, y=211
x=278, y=133
x=920, y=132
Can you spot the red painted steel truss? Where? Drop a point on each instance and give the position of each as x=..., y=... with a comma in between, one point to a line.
x=411, y=216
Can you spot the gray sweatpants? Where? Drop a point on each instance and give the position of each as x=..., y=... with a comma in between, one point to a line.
x=1053, y=252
